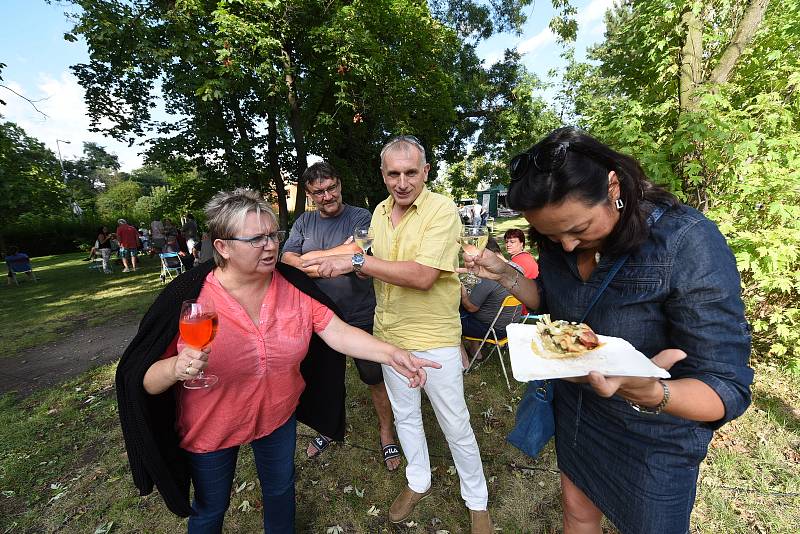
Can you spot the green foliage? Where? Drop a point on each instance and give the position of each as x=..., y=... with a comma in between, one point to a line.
x=152, y=206
x=149, y=177
x=30, y=177
x=44, y=234
x=96, y=171
x=736, y=158
x=119, y=201
x=259, y=85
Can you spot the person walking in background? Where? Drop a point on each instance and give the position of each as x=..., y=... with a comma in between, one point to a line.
x=475, y=211
x=129, y=244
x=417, y=292
x=515, y=246
x=329, y=231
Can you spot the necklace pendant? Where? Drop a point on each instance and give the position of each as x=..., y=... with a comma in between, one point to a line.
x=597, y=257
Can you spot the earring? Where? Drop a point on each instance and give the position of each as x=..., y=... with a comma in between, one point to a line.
x=619, y=203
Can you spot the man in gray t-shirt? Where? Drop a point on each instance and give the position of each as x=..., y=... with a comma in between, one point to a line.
x=326, y=231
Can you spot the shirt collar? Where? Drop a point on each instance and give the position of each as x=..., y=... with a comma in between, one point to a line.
x=388, y=204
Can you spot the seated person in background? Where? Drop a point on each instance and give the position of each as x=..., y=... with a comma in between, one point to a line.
x=515, y=245
x=479, y=307
x=18, y=262
x=177, y=244
x=172, y=244
x=187, y=258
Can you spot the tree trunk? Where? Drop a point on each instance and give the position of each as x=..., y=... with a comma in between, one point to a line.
x=296, y=125
x=253, y=176
x=275, y=170
x=751, y=20
x=227, y=142
x=691, y=61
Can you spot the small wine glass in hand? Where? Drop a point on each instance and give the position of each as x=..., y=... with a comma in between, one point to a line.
x=363, y=236
x=473, y=241
x=198, y=325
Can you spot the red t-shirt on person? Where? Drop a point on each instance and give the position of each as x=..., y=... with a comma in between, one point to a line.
x=529, y=266
x=127, y=236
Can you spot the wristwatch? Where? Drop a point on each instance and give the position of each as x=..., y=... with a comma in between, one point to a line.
x=358, y=261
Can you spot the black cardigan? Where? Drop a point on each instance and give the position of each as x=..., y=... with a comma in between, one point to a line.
x=148, y=421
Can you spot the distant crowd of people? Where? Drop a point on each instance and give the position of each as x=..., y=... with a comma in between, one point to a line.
x=126, y=243
x=628, y=448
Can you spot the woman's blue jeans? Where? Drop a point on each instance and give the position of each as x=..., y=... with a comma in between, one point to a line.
x=212, y=477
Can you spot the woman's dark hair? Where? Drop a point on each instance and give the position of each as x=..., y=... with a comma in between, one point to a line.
x=493, y=246
x=569, y=163
x=322, y=170
x=100, y=230
x=515, y=233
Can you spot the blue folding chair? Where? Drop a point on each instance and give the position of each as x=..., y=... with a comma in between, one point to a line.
x=171, y=266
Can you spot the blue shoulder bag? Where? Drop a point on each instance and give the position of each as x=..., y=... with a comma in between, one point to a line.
x=534, y=424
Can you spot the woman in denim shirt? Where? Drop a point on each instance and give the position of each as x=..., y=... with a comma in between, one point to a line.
x=629, y=448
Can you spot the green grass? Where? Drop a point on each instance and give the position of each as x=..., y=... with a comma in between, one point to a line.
x=68, y=296
x=63, y=466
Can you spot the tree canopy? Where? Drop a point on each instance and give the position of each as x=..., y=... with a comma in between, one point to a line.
x=251, y=88
x=705, y=95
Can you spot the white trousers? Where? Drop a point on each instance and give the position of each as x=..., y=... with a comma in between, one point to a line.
x=445, y=389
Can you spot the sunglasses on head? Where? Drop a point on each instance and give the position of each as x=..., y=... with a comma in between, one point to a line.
x=548, y=157
x=404, y=139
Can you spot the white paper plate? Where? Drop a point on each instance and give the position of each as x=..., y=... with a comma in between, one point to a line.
x=615, y=357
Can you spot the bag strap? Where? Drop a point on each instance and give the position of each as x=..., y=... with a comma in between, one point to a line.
x=651, y=220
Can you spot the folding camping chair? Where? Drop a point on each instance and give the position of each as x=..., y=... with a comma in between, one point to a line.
x=171, y=266
x=21, y=265
x=492, y=338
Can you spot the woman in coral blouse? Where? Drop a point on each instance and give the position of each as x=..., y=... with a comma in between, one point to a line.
x=266, y=323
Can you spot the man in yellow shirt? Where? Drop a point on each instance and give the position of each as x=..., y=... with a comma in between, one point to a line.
x=418, y=292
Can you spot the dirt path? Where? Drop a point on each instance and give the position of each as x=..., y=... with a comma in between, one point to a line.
x=53, y=363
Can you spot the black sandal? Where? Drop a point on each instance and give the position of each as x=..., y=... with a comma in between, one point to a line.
x=320, y=443
x=390, y=451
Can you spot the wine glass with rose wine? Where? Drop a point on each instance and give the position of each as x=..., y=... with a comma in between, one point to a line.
x=364, y=236
x=473, y=241
x=198, y=325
